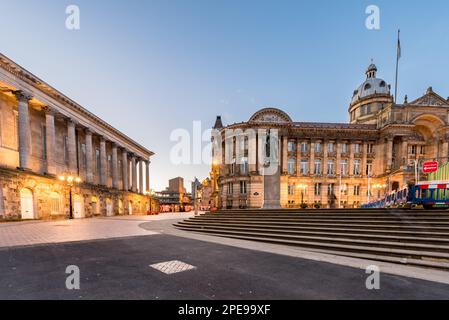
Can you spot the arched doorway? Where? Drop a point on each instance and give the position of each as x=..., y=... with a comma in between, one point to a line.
x=120, y=206
x=26, y=204
x=109, y=207
x=55, y=200
x=78, y=208
x=95, y=206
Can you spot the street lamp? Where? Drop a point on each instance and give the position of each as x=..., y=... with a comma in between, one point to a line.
x=303, y=188
x=70, y=180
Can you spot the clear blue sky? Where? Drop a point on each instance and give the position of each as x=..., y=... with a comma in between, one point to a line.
x=148, y=67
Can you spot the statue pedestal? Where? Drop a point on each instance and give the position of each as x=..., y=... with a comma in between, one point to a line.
x=272, y=190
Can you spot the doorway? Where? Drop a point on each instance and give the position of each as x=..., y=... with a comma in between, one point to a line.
x=26, y=204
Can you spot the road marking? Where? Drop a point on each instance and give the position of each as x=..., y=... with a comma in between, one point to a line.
x=174, y=266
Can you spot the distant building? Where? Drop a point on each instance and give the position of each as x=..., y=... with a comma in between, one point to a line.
x=174, y=198
x=329, y=164
x=201, y=193
x=48, y=142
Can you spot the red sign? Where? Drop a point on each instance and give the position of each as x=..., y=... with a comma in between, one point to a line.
x=430, y=166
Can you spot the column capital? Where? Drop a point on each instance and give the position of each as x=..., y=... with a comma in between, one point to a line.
x=23, y=96
x=88, y=131
x=49, y=110
x=114, y=145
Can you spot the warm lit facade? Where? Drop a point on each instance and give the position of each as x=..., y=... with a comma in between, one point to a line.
x=334, y=164
x=43, y=136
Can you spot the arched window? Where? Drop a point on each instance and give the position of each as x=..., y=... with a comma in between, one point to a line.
x=367, y=86
x=382, y=84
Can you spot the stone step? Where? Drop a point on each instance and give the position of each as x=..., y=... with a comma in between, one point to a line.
x=427, y=222
x=352, y=246
x=394, y=233
x=360, y=235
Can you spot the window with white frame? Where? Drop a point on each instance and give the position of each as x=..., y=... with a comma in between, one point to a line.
x=291, y=166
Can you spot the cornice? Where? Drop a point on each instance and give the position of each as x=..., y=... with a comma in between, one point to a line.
x=27, y=77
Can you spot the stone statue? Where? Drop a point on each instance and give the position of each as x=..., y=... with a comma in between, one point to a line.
x=271, y=149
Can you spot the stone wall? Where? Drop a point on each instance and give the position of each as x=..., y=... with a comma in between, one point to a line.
x=50, y=194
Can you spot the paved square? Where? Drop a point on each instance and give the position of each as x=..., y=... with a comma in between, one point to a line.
x=170, y=267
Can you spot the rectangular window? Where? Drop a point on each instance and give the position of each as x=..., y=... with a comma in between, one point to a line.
x=369, y=167
x=356, y=167
x=357, y=190
x=343, y=167
x=331, y=147
x=304, y=147
x=83, y=155
x=317, y=167
x=291, y=166
x=344, y=148
x=330, y=167
x=318, y=147
x=120, y=169
x=357, y=148
x=110, y=165
x=97, y=160
x=291, y=189
x=66, y=149
x=413, y=149
x=44, y=142
x=229, y=188
x=330, y=189
x=304, y=167
x=291, y=146
x=242, y=187
x=370, y=148
x=317, y=189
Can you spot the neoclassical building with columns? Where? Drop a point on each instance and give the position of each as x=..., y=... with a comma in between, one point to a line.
x=45, y=136
x=338, y=165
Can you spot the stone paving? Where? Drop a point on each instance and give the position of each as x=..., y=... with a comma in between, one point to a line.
x=46, y=232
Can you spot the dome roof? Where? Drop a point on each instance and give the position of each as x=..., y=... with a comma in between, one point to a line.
x=372, y=85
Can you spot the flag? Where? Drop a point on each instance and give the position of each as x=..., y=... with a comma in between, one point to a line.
x=399, y=46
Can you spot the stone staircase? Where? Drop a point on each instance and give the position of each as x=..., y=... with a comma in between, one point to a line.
x=412, y=237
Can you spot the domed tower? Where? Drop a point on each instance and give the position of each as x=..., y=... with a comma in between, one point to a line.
x=370, y=97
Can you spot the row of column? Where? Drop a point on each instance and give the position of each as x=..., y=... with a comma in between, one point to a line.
x=24, y=136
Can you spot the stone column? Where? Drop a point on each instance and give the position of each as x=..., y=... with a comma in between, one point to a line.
x=51, y=140
x=338, y=162
x=125, y=179
x=284, y=155
x=298, y=158
x=389, y=154
x=140, y=175
x=147, y=176
x=364, y=157
x=24, y=129
x=71, y=146
x=351, y=158
x=103, y=162
x=404, y=152
x=252, y=152
x=89, y=157
x=114, y=167
x=134, y=173
x=325, y=156
x=312, y=158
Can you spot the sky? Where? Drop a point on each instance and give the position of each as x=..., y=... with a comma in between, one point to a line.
x=150, y=67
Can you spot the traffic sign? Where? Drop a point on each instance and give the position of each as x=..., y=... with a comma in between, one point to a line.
x=430, y=166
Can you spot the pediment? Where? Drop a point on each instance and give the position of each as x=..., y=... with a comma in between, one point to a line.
x=430, y=99
x=270, y=115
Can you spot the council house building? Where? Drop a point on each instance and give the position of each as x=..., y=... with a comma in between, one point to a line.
x=333, y=165
x=54, y=152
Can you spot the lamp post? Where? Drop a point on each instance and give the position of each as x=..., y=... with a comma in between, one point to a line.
x=70, y=180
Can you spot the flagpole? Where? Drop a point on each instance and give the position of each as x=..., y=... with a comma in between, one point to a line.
x=398, y=53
